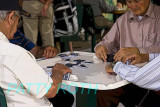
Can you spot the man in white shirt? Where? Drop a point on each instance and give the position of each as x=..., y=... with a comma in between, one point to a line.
x=23, y=81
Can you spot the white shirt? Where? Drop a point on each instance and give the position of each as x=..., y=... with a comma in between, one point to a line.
x=24, y=82
x=146, y=77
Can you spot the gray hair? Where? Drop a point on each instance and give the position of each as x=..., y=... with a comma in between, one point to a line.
x=3, y=15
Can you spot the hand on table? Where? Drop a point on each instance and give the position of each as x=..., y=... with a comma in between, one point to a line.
x=125, y=52
x=49, y=52
x=137, y=58
x=62, y=68
x=101, y=53
x=109, y=69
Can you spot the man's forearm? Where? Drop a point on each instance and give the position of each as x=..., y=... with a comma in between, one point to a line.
x=57, y=74
x=57, y=77
x=37, y=51
x=57, y=80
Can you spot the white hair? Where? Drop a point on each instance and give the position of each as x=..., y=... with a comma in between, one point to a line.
x=3, y=15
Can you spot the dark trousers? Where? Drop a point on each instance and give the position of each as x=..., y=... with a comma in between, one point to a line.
x=62, y=99
x=129, y=95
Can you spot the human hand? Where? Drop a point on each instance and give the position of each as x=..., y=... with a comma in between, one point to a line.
x=109, y=69
x=49, y=52
x=101, y=53
x=44, y=10
x=137, y=58
x=124, y=52
x=62, y=68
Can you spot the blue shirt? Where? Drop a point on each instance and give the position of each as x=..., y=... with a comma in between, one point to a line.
x=20, y=39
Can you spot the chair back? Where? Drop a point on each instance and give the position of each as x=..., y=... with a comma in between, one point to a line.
x=3, y=102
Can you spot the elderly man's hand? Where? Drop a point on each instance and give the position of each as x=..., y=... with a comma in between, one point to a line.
x=109, y=69
x=137, y=58
x=101, y=52
x=124, y=52
x=49, y=52
x=57, y=74
x=62, y=68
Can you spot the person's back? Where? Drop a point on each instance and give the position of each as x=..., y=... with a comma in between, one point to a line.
x=24, y=82
x=11, y=57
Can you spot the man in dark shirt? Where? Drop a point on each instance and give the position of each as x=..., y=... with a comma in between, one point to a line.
x=39, y=52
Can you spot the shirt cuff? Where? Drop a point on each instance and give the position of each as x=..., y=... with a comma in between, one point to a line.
x=153, y=56
x=121, y=69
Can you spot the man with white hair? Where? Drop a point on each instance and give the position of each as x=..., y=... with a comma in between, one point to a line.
x=23, y=81
x=136, y=31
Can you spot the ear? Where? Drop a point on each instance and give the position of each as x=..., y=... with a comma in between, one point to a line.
x=10, y=17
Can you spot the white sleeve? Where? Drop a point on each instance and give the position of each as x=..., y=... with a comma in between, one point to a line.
x=147, y=77
x=32, y=76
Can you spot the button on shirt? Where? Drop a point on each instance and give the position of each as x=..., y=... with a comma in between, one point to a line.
x=129, y=31
x=20, y=39
x=23, y=81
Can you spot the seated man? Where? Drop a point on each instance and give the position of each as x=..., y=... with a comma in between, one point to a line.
x=23, y=81
x=39, y=52
x=145, y=77
x=136, y=31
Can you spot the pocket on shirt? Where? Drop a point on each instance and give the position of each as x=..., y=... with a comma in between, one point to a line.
x=153, y=39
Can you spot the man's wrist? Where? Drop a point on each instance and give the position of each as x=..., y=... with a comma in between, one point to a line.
x=145, y=57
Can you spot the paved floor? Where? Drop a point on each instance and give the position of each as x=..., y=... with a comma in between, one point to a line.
x=82, y=46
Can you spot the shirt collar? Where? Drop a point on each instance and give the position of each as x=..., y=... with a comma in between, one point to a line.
x=3, y=37
x=150, y=12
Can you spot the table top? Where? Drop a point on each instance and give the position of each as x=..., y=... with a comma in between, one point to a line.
x=93, y=76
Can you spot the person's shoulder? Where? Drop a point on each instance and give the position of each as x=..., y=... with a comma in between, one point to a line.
x=125, y=17
x=156, y=10
x=9, y=49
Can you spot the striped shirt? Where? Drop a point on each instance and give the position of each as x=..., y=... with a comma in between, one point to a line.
x=20, y=39
x=153, y=56
x=146, y=77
